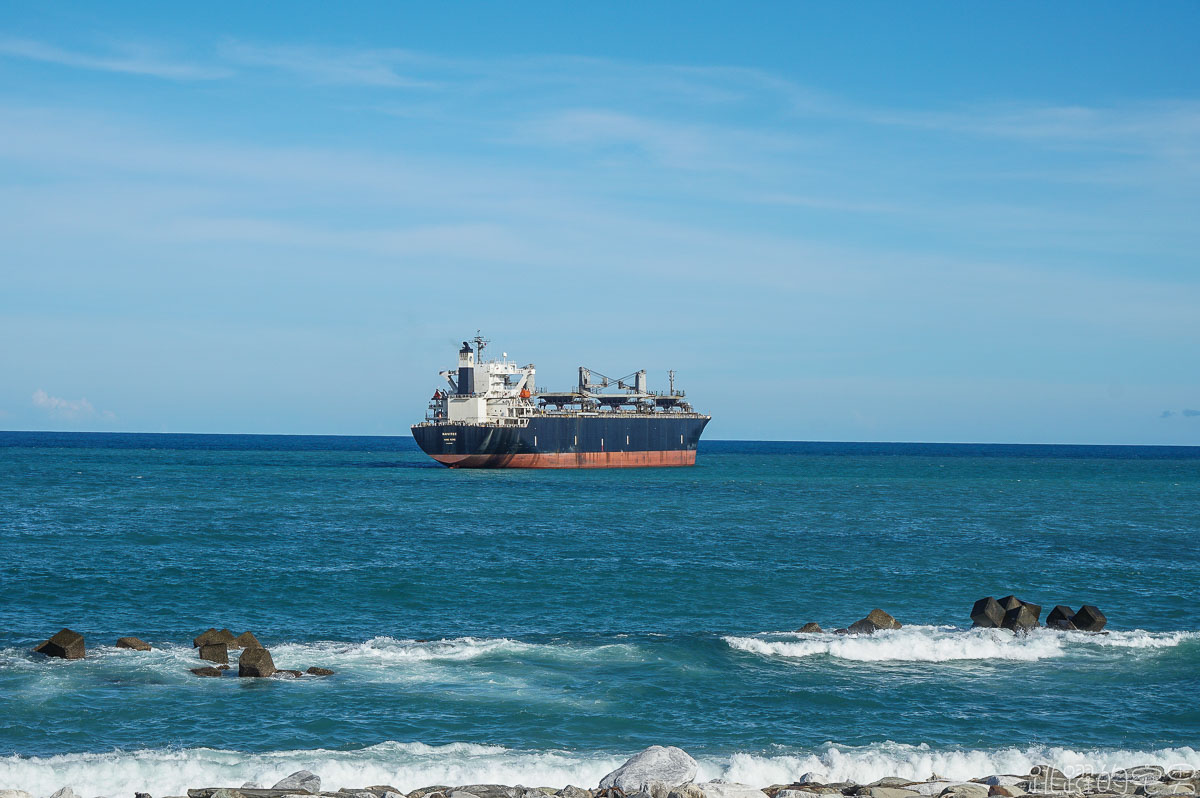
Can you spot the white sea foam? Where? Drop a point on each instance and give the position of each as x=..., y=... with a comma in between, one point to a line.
x=411, y=765
x=950, y=644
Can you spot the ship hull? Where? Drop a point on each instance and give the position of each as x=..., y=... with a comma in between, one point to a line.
x=566, y=442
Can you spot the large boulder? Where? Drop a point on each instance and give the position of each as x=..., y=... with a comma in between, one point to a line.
x=1088, y=619
x=876, y=619
x=810, y=628
x=1036, y=609
x=1060, y=618
x=987, y=613
x=135, y=643
x=245, y=640
x=65, y=645
x=256, y=662
x=1020, y=619
x=300, y=781
x=215, y=652
x=931, y=787
x=667, y=764
x=213, y=635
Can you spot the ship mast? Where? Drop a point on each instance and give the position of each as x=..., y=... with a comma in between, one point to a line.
x=480, y=343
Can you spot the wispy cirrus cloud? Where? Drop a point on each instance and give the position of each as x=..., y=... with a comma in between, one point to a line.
x=130, y=59
x=69, y=409
x=371, y=68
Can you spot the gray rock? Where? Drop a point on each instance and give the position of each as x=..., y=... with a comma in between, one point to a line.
x=461, y=794
x=891, y=792
x=1006, y=791
x=64, y=645
x=300, y=781
x=987, y=613
x=810, y=628
x=728, y=789
x=667, y=764
x=213, y=635
x=966, y=790
x=142, y=795
x=251, y=785
x=932, y=787
x=135, y=643
x=1003, y=780
x=686, y=791
x=1009, y=602
x=809, y=778
x=1142, y=774
x=1166, y=788
x=256, y=662
x=1020, y=619
x=245, y=640
x=65, y=792
x=571, y=791
x=14, y=794
x=215, y=652
x=876, y=619
x=890, y=781
x=1089, y=619
x=1060, y=618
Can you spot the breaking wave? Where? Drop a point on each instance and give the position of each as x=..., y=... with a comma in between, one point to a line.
x=407, y=766
x=950, y=644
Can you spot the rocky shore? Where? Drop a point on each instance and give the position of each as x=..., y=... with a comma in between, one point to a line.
x=669, y=772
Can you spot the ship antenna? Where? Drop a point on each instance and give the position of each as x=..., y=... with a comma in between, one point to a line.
x=671, y=376
x=480, y=343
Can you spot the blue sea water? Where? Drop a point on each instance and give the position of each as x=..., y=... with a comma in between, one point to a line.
x=539, y=626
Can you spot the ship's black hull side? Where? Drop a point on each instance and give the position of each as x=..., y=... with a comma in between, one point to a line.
x=599, y=441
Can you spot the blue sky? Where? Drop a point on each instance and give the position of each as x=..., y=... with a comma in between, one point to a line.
x=944, y=222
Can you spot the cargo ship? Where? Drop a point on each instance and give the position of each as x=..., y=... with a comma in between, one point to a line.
x=491, y=415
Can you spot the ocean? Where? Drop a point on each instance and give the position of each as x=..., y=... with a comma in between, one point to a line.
x=538, y=627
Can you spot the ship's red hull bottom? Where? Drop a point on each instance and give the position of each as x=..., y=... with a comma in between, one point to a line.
x=683, y=457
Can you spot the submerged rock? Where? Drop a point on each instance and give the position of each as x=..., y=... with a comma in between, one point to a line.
x=876, y=619
x=810, y=628
x=315, y=671
x=256, y=662
x=667, y=764
x=64, y=645
x=135, y=643
x=207, y=670
x=215, y=652
x=292, y=674
x=1089, y=619
x=987, y=613
x=300, y=781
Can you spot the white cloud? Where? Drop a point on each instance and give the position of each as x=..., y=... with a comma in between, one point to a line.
x=69, y=409
x=133, y=61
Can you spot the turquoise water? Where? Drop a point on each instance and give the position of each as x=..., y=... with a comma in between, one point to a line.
x=538, y=626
